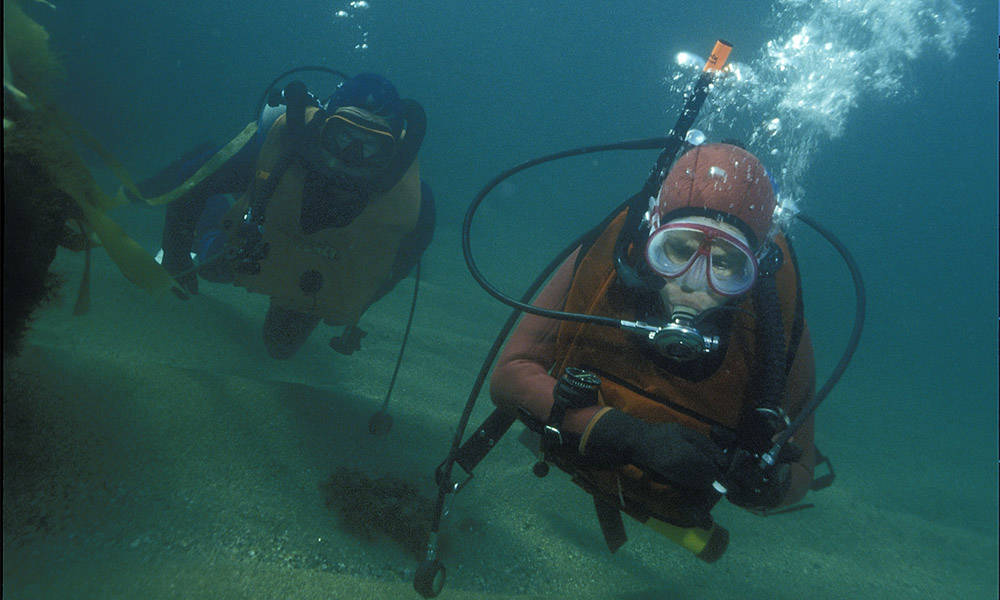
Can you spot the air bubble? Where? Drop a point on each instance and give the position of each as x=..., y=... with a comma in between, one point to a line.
x=718, y=173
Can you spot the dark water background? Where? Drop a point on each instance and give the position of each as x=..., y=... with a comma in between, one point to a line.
x=910, y=186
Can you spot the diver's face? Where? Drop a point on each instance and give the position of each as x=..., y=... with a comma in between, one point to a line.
x=359, y=143
x=693, y=292
x=676, y=293
x=352, y=169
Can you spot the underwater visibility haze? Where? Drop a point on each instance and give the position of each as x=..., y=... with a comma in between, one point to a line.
x=152, y=448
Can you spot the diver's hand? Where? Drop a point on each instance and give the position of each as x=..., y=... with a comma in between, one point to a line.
x=750, y=486
x=180, y=271
x=669, y=451
x=349, y=341
x=188, y=283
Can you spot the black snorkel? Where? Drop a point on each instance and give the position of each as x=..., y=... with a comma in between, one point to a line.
x=675, y=140
x=671, y=145
x=273, y=97
x=295, y=96
x=247, y=255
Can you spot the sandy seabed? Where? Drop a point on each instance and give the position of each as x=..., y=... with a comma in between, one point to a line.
x=153, y=450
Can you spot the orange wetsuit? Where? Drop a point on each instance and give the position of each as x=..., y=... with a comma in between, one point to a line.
x=541, y=348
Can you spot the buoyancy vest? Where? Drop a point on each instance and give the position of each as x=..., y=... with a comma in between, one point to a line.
x=634, y=383
x=333, y=273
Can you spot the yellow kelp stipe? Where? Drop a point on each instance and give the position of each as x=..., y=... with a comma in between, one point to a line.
x=213, y=164
x=73, y=177
x=135, y=263
x=71, y=128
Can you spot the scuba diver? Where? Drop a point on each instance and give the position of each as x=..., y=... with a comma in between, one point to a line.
x=323, y=209
x=654, y=426
x=667, y=361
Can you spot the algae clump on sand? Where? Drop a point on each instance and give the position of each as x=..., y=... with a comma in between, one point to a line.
x=386, y=505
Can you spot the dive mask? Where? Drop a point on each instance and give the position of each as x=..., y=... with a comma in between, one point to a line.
x=358, y=138
x=701, y=257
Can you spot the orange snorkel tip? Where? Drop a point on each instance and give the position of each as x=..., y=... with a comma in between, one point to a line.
x=720, y=53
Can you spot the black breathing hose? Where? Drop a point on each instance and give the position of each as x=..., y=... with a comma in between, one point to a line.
x=643, y=144
x=852, y=343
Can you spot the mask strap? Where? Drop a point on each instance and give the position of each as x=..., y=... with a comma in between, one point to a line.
x=770, y=260
x=637, y=275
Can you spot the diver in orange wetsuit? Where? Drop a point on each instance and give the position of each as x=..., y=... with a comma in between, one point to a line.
x=733, y=360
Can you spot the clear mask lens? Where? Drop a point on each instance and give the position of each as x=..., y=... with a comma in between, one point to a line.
x=702, y=257
x=357, y=142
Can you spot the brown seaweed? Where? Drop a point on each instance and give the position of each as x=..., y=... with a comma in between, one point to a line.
x=35, y=208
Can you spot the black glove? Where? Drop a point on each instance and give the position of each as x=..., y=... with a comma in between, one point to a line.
x=247, y=248
x=669, y=451
x=176, y=266
x=349, y=340
x=755, y=488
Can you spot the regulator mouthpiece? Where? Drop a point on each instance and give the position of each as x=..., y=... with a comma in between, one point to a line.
x=680, y=339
